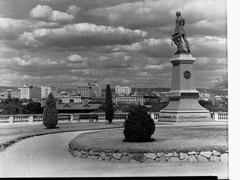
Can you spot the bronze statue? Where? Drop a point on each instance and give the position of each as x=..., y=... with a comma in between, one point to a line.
x=179, y=36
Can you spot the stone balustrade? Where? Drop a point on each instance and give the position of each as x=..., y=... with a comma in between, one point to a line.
x=90, y=117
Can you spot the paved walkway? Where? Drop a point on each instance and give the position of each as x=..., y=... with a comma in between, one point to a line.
x=48, y=155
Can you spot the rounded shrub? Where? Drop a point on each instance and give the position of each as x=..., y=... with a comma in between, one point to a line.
x=139, y=126
x=50, y=116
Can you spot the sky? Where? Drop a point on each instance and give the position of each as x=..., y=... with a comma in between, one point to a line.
x=68, y=43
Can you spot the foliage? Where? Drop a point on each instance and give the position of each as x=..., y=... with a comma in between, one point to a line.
x=109, y=110
x=50, y=116
x=139, y=127
x=219, y=86
x=214, y=106
x=11, y=106
x=32, y=108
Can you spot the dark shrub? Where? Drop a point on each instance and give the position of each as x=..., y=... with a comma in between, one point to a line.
x=109, y=110
x=50, y=116
x=139, y=127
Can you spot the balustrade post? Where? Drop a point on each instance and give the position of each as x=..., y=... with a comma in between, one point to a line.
x=72, y=118
x=30, y=119
x=215, y=116
x=10, y=119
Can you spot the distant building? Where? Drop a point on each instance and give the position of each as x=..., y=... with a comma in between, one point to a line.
x=96, y=90
x=92, y=90
x=84, y=91
x=30, y=92
x=137, y=99
x=4, y=95
x=123, y=91
x=69, y=99
x=46, y=90
x=150, y=99
x=77, y=108
x=16, y=93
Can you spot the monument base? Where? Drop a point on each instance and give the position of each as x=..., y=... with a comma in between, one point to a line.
x=184, y=107
x=177, y=117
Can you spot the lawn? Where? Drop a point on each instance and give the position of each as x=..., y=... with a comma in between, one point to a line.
x=167, y=139
x=12, y=132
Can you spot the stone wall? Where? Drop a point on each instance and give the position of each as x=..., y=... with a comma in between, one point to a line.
x=162, y=157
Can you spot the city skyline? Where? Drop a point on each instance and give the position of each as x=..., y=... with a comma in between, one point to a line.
x=127, y=42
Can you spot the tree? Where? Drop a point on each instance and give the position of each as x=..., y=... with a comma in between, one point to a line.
x=50, y=116
x=11, y=106
x=219, y=86
x=109, y=110
x=32, y=108
x=139, y=126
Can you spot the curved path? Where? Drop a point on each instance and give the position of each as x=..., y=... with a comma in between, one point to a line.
x=48, y=155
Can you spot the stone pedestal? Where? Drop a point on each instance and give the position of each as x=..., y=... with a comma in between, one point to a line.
x=183, y=98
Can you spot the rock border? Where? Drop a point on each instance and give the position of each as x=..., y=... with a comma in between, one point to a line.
x=161, y=157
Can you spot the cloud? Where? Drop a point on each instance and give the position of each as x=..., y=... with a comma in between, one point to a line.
x=69, y=43
x=200, y=46
x=152, y=47
x=158, y=66
x=81, y=34
x=75, y=58
x=11, y=28
x=73, y=9
x=47, y=13
x=161, y=13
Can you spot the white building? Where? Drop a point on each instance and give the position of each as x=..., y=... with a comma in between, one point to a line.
x=138, y=99
x=69, y=99
x=123, y=91
x=46, y=90
x=30, y=92
x=96, y=90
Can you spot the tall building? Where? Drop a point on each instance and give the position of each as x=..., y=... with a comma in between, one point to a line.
x=84, y=91
x=92, y=90
x=45, y=91
x=123, y=91
x=96, y=90
x=30, y=92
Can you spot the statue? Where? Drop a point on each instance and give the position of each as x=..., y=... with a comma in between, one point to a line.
x=179, y=36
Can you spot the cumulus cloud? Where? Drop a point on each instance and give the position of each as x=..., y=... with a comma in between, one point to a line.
x=11, y=28
x=161, y=13
x=73, y=9
x=201, y=46
x=47, y=13
x=81, y=34
x=146, y=43
x=75, y=58
x=125, y=41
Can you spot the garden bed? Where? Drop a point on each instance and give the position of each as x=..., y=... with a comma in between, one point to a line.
x=172, y=144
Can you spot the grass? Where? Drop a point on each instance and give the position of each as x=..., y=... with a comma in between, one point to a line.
x=167, y=139
x=12, y=132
